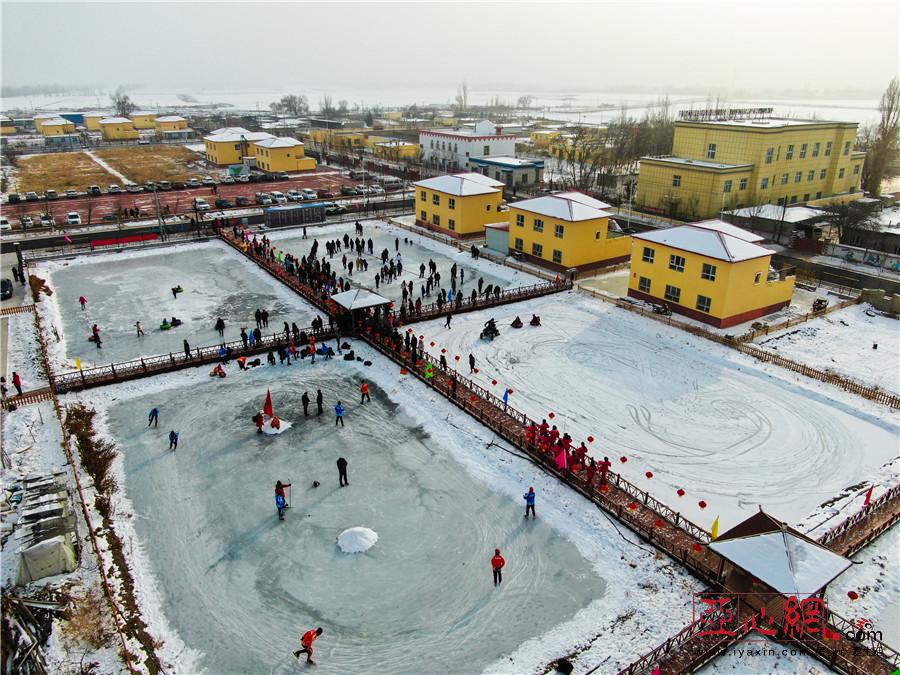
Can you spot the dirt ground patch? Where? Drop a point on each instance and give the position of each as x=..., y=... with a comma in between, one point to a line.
x=167, y=162
x=60, y=171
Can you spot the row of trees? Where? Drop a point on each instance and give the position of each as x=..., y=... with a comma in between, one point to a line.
x=879, y=140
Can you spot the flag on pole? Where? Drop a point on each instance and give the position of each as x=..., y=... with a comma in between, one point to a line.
x=68, y=240
x=715, y=528
x=268, y=409
x=78, y=363
x=869, y=495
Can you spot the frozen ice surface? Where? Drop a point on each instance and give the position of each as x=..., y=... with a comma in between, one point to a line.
x=241, y=587
x=122, y=289
x=357, y=539
x=418, y=250
x=699, y=416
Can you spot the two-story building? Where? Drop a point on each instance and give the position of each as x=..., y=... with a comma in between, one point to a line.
x=459, y=205
x=55, y=126
x=282, y=154
x=229, y=145
x=711, y=271
x=117, y=129
x=92, y=120
x=143, y=120
x=453, y=148
x=7, y=126
x=566, y=230
x=725, y=164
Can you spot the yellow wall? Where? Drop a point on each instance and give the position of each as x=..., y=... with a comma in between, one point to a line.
x=58, y=129
x=118, y=132
x=410, y=150
x=171, y=126
x=229, y=152
x=92, y=122
x=583, y=243
x=7, y=127
x=774, y=175
x=469, y=214
x=283, y=159
x=144, y=121
x=543, y=137
x=735, y=293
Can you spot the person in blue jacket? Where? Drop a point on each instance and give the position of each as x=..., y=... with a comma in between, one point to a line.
x=529, y=502
x=173, y=440
x=339, y=414
x=154, y=418
x=280, y=501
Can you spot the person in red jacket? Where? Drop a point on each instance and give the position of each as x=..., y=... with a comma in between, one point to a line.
x=307, y=642
x=604, y=468
x=364, y=393
x=497, y=563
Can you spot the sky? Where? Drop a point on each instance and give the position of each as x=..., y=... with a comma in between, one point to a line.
x=728, y=46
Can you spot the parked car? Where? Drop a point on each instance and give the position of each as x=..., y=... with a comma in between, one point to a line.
x=13, y=198
x=309, y=193
x=73, y=218
x=208, y=181
x=93, y=191
x=326, y=194
x=243, y=178
x=200, y=204
x=348, y=190
x=50, y=194
x=47, y=220
x=278, y=197
x=282, y=175
x=133, y=187
x=6, y=289
x=110, y=218
x=294, y=196
x=255, y=178
x=262, y=198
x=362, y=190
x=376, y=190
x=150, y=186
x=114, y=189
x=27, y=221
x=31, y=196
x=72, y=194
x=268, y=177
x=242, y=201
x=4, y=224
x=223, y=204
x=178, y=185
x=164, y=185
x=228, y=180
x=143, y=141
x=332, y=209
x=193, y=183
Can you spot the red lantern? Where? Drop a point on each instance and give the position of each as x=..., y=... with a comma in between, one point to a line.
x=680, y=492
x=632, y=505
x=404, y=371
x=432, y=344
x=509, y=391
x=590, y=439
x=623, y=459
x=443, y=351
x=494, y=382
x=476, y=371
x=391, y=305
x=409, y=330
x=604, y=487
x=421, y=337
x=473, y=398
x=551, y=415
x=701, y=504
x=649, y=474
x=405, y=355
x=456, y=357
x=697, y=547
x=853, y=595
x=658, y=523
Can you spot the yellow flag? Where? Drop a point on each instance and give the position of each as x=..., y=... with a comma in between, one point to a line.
x=78, y=363
x=715, y=528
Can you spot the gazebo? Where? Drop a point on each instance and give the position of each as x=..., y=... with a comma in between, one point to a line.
x=355, y=303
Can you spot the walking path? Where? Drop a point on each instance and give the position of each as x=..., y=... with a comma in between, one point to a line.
x=106, y=166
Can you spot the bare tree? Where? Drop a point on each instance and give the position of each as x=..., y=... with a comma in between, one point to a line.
x=295, y=105
x=122, y=103
x=580, y=157
x=849, y=217
x=326, y=108
x=880, y=141
x=342, y=108
x=462, y=97
x=524, y=102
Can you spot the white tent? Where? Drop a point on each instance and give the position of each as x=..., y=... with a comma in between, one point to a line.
x=45, y=559
x=359, y=298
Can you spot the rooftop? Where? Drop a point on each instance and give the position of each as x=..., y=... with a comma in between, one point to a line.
x=791, y=214
x=462, y=184
x=359, y=298
x=142, y=113
x=570, y=206
x=700, y=163
x=56, y=122
x=710, y=238
x=236, y=135
x=729, y=229
x=115, y=120
x=171, y=118
x=770, y=123
x=510, y=162
x=278, y=142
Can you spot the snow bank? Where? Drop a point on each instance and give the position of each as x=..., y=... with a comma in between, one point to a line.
x=357, y=540
x=23, y=352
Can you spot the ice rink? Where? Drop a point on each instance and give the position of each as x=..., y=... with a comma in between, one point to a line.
x=697, y=415
x=240, y=586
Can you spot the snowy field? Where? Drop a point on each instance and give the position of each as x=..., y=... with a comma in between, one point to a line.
x=699, y=416
x=136, y=286
x=414, y=251
x=23, y=352
x=439, y=496
x=844, y=343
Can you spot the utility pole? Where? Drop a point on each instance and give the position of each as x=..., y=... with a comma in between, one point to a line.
x=159, y=218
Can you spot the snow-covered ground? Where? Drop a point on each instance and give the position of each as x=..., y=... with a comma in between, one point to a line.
x=440, y=496
x=701, y=417
x=844, y=342
x=122, y=288
x=23, y=352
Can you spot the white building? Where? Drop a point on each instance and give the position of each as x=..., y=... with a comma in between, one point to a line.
x=452, y=148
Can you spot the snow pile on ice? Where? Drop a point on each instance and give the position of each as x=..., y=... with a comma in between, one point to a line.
x=269, y=430
x=357, y=539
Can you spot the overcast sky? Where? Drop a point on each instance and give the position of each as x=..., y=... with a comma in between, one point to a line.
x=747, y=45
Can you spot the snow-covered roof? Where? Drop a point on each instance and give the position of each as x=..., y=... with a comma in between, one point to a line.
x=278, y=142
x=706, y=241
x=571, y=206
x=462, y=184
x=95, y=114
x=142, y=113
x=791, y=214
x=236, y=134
x=229, y=130
x=509, y=162
x=46, y=116
x=770, y=123
x=359, y=298
x=56, y=122
x=729, y=229
x=115, y=120
x=779, y=556
x=699, y=163
x=171, y=118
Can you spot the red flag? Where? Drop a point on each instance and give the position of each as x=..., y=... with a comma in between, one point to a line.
x=268, y=409
x=869, y=495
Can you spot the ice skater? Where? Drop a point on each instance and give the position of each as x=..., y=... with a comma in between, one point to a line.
x=305, y=401
x=280, y=500
x=82, y=301
x=447, y=322
x=529, y=502
x=339, y=414
x=342, y=472
x=153, y=418
x=320, y=400
x=306, y=642
x=364, y=393
x=173, y=440
x=497, y=564
x=220, y=327
x=137, y=327
x=471, y=363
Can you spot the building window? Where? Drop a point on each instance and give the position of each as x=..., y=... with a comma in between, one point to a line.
x=727, y=186
x=828, y=149
x=784, y=178
x=537, y=250
x=487, y=208
x=764, y=184
x=790, y=152
x=823, y=173
x=806, y=197
x=743, y=184
x=558, y=232
x=519, y=244
x=856, y=169
x=841, y=172
x=538, y=225
x=557, y=256
x=451, y=224
x=757, y=277
x=436, y=219
x=451, y=203
x=819, y=195
x=237, y=146
x=673, y=293
x=811, y=175
x=847, y=148
x=676, y=181
x=709, y=272
x=798, y=176
x=676, y=262
x=815, y=152
x=424, y=216
x=803, y=151
x=436, y=200
x=793, y=199
x=644, y=285
x=487, y=150
x=770, y=155
x=781, y=201
x=711, y=151
x=649, y=253
x=422, y=195
x=520, y=220
x=703, y=303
